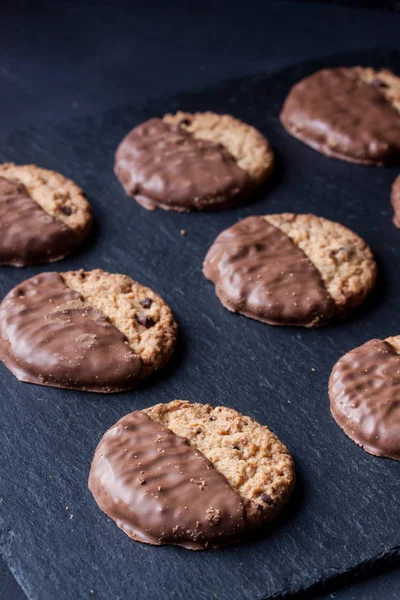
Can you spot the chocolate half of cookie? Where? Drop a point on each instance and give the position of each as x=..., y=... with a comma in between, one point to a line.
x=43, y=215
x=190, y=475
x=347, y=113
x=396, y=201
x=62, y=330
x=364, y=390
x=195, y=161
x=290, y=269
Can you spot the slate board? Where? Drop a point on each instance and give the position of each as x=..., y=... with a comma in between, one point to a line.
x=344, y=512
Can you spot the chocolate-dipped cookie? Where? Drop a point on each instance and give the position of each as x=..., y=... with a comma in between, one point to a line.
x=43, y=215
x=364, y=390
x=290, y=269
x=187, y=162
x=92, y=331
x=396, y=201
x=189, y=474
x=347, y=113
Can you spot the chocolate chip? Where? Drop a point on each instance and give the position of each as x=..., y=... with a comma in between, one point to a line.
x=185, y=122
x=146, y=302
x=267, y=499
x=67, y=210
x=145, y=321
x=260, y=508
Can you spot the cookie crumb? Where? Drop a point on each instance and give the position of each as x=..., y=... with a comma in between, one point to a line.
x=183, y=232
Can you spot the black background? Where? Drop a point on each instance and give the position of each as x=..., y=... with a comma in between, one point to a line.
x=61, y=60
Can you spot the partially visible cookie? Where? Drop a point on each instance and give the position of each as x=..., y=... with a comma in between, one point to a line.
x=86, y=330
x=290, y=269
x=191, y=475
x=396, y=201
x=199, y=161
x=347, y=113
x=364, y=390
x=43, y=215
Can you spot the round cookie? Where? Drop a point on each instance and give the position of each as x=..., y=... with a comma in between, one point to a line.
x=189, y=474
x=364, y=390
x=199, y=161
x=290, y=269
x=348, y=113
x=43, y=215
x=396, y=201
x=85, y=330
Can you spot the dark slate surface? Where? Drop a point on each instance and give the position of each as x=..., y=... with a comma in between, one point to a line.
x=345, y=509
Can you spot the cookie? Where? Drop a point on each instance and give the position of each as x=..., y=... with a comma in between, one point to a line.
x=189, y=474
x=348, y=113
x=396, y=201
x=85, y=330
x=199, y=161
x=290, y=269
x=43, y=215
x=364, y=390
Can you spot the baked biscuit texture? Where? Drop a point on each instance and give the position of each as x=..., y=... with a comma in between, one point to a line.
x=396, y=201
x=250, y=149
x=253, y=460
x=57, y=195
x=190, y=475
x=186, y=162
x=135, y=310
x=91, y=331
x=343, y=259
x=290, y=269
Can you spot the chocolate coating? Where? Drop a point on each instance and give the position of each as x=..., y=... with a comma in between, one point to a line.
x=160, y=490
x=28, y=235
x=364, y=390
x=163, y=165
x=49, y=336
x=336, y=113
x=396, y=201
x=259, y=271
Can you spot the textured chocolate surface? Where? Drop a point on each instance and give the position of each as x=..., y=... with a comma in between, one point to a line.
x=51, y=337
x=28, y=235
x=258, y=271
x=364, y=389
x=396, y=201
x=164, y=165
x=161, y=490
x=336, y=113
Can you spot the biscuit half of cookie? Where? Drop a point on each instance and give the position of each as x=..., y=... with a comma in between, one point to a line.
x=192, y=161
x=350, y=113
x=396, y=201
x=43, y=215
x=192, y=475
x=86, y=330
x=290, y=269
x=364, y=390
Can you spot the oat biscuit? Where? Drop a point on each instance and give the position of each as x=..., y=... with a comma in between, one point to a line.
x=364, y=390
x=43, y=215
x=93, y=331
x=191, y=475
x=347, y=113
x=290, y=269
x=199, y=161
x=396, y=201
